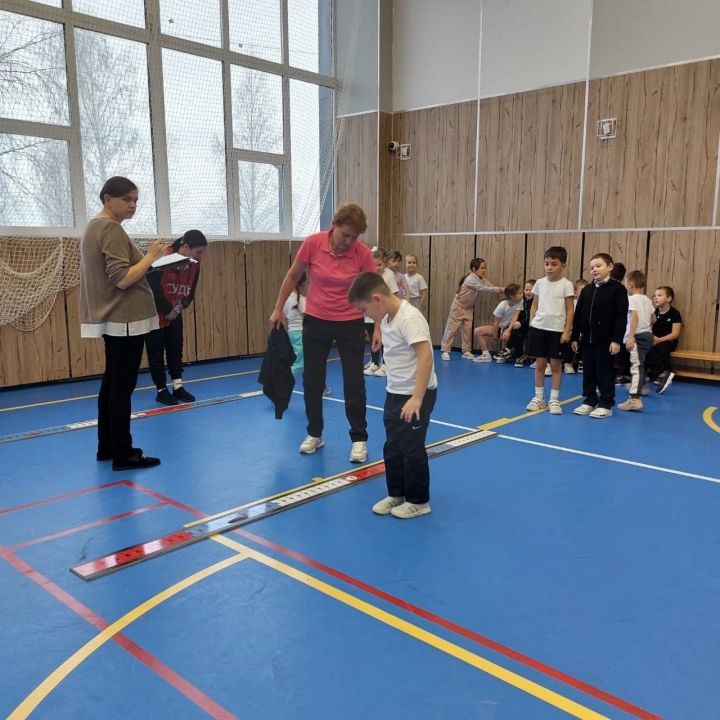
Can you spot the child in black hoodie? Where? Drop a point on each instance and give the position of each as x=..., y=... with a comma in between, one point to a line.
x=598, y=330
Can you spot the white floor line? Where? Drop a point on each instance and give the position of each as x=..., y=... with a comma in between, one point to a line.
x=610, y=458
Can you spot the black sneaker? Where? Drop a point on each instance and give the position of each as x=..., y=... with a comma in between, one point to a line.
x=166, y=398
x=102, y=457
x=183, y=395
x=664, y=381
x=136, y=462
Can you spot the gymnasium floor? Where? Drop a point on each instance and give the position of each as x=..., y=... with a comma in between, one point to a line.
x=570, y=567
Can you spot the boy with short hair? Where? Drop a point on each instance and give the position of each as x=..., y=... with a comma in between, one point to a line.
x=551, y=318
x=505, y=321
x=599, y=327
x=410, y=398
x=638, y=336
x=666, y=329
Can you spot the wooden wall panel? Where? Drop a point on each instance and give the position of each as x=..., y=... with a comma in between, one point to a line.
x=433, y=191
x=385, y=160
x=690, y=263
x=220, y=308
x=629, y=248
x=87, y=355
x=530, y=157
x=266, y=263
x=660, y=169
x=451, y=256
x=36, y=356
x=357, y=167
x=537, y=244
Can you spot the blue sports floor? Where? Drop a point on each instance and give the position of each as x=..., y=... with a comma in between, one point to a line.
x=570, y=566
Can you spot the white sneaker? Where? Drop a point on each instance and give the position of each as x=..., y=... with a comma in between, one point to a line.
x=568, y=369
x=536, y=404
x=601, y=413
x=310, y=444
x=533, y=364
x=555, y=407
x=583, y=409
x=548, y=371
x=371, y=369
x=468, y=356
x=387, y=504
x=409, y=510
x=445, y=356
x=485, y=357
x=368, y=364
x=381, y=371
x=358, y=453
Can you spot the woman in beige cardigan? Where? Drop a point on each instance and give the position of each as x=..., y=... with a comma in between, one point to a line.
x=116, y=304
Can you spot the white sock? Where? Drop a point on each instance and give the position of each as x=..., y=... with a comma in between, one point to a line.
x=485, y=353
x=554, y=396
x=539, y=392
x=177, y=384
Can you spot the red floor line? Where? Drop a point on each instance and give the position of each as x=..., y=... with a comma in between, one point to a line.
x=537, y=665
x=164, y=498
x=55, y=498
x=191, y=692
x=86, y=526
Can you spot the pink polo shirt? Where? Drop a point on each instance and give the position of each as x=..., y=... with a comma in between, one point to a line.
x=331, y=276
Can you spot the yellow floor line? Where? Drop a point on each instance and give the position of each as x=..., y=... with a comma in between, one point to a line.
x=497, y=671
x=708, y=418
x=506, y=421
x=30, y=703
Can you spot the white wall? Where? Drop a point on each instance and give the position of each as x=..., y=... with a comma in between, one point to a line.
x=636, y=34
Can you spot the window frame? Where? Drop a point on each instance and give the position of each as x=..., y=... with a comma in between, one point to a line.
x=154, y=40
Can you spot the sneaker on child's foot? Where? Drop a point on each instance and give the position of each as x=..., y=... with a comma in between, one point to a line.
x=183, y=395
x=533, y=364
x=371, y=370
x=583, y=409
x=381, y=371
x=310, y=444
x=601, y=413
x=569, y=369
x=165, y=397
x=548, y=371
x=631, y=404
x=468, y=356
x=483, y=357
x=368, y=364
x=503, y=356
x=555, y=407
x=520, y=362
x=387, y=504
x=358, y=452
x=410, y=510
x=664, y=381
x=445, y=356
x=536, y=404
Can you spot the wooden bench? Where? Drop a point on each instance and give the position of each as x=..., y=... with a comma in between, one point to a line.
x=701, y=355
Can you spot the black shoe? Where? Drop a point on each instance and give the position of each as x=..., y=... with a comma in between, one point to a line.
x=623, y=379
x=102, y=457
x=183, y=395
x=664, y=381
x=136, y=462
x=166, y=398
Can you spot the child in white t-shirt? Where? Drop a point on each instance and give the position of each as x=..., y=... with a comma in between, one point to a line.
x=416, y=283
x=376, y=366
x=638, y=336
x=505, y=320
x=410, y=398
x=551, y=318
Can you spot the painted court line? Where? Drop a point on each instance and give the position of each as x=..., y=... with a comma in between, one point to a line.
x=610, y=458
x=112, y=632
x=55, y=498
x=708, y=416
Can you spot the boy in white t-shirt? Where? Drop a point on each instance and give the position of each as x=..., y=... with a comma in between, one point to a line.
x=638, y=336
x=505, y=320
x=410, y=398
x=551, y=319
x=416, y=283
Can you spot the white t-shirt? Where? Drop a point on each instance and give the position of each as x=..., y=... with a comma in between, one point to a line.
x=416, y=283
x=294, y=314
x=645, y=310
x=409, y=326
x=388, y=276
x=551, y=313
x=505, y=311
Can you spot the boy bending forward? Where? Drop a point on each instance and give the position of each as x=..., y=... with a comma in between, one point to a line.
x=410, y=398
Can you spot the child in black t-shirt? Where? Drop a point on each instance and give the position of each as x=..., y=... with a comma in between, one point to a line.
x=666, y=330
x=519, y=337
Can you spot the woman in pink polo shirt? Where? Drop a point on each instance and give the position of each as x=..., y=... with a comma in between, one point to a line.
x=333, y=259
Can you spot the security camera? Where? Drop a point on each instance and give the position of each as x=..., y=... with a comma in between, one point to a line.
x=393, y=146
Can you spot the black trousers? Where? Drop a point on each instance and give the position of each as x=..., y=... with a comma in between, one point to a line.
x=375, y=355
x=165, y=341
x=318, y=337
x=122, y=362
x=406, y=461
x=516, y=343
x=658, y=359
x=598, y=374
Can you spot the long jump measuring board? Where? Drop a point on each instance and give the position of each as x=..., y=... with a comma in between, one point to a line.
x=231, y=519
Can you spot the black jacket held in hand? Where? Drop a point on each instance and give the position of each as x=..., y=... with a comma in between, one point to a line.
x=275, y=373
x=601, y=313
